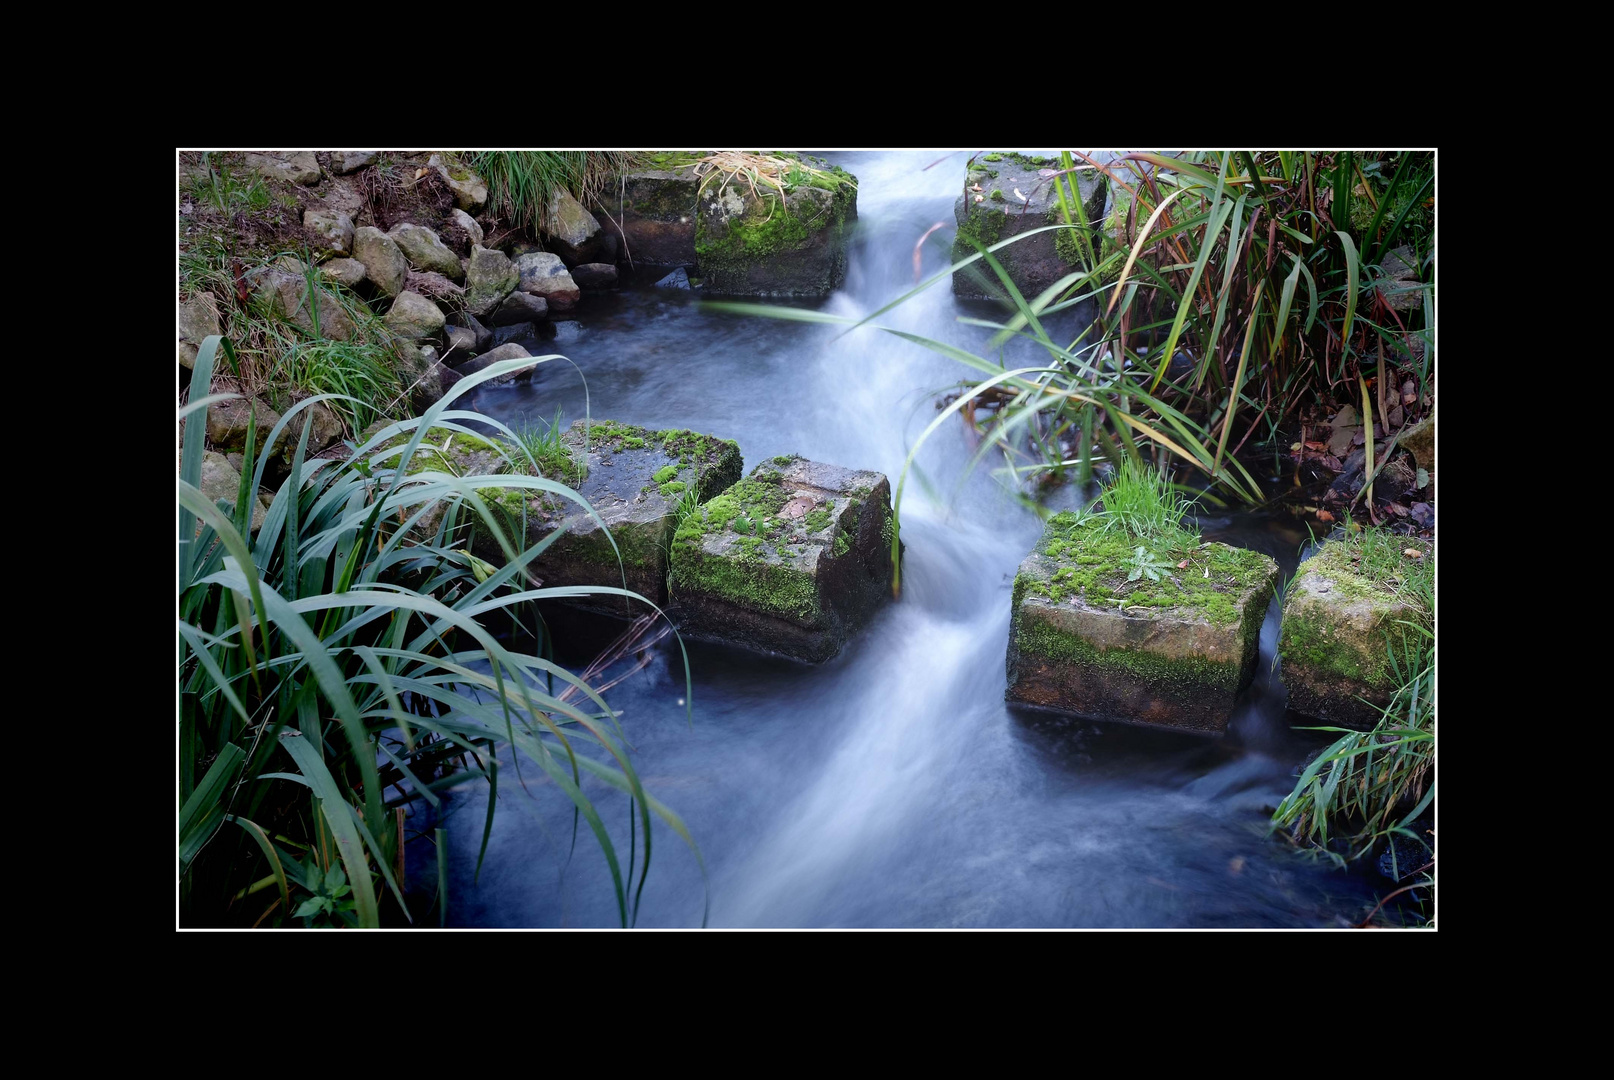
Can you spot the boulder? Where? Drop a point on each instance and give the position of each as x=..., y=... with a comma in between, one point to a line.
x=461, y=343
x=198, y=319
x=595, y=276
x=470, y=192
x=543, y=274
x=349, y=161
x=490, y=278
x=635, y=480
x=227, y=423
x=384, y=262
x=468, y=223
x=325, y=429
x=1171, y=647
x=657, y=212
x=524, y=331
x=996, y=213
x=753, y=244
x=414, y=317
x=520, y=307
x=1401, y=287
x=287, y=293
x=294, y=168
x=1339, y=629
x=793, y=560
x=221, y=482
x=349, y=272
x=426, y=251
x=331, y=230
x=509, y=351
x=573, y=232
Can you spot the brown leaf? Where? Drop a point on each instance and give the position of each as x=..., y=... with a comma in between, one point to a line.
x=1183, y=565
x=1413, y=553
x=1317, y=446
x=796, y=507
x=1324, y=515
x=1397, y=509
x=1331, y=463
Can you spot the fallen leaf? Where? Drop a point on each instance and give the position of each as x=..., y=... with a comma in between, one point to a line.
x=1413, y=553
x=976, y=187
x=1019, y=196
x=1236, y=865
x=1331, y=463
x=1397, y=509
x=1324, y=515
x=420, y=173
x=1183, y=565
x=980, y=198
x=797, y=507
x=1295, y=449
x=1317, y=446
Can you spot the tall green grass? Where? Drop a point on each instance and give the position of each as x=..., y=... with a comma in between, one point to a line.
x=520, y=182
x=338, y=666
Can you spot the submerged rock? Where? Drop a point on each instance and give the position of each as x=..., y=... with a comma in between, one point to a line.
x=1170, y=649
x=520, y=308
x=678, y=279
x=757, y=244
x=1333, y=645
x=507, y=351
x=794, y=560
x=635, y=479
x=595, y=276
x=996, y=213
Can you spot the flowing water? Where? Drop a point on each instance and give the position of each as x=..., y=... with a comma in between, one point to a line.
x=891, y=787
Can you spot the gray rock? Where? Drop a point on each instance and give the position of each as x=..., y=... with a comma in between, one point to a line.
x=678, y=279
x=349, y=161
x=426, y=250
x=294, y=168
x=461, y=343
x=419, y=371
x=1035, y=262
x=470, y=192
x=227, y=423
x=794, y=560
x=751, y=245
x=490, y=278
x=525, y=331
x=484, y=336
x=572, y=231
x=287, y=293
x=595, y=276
x=325, y=429
x=543, y=274
x=414, y=317
x=1333, y=641
x=198, y=319
x=510, y=351
x=349, y=272
x=656, y=208
x=384, y=262
x=468, y=223
x=332, y=230
x=1167, y=651
x=520, y=307
x=447, y=377
x=221, y=482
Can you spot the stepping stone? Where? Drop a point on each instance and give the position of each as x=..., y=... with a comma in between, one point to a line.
x=1333, y=643
x=1171, y=648
x=793, y=560
x=995, y=212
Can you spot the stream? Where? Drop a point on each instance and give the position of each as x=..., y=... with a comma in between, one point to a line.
x=890, y=787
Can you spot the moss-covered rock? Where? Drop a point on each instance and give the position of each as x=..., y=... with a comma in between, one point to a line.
x=1341, y=622
x=793, y=560
x=573, y=233
x=414, y=317
x=384, y=262
x=489, y=278
x=1171, y=647
x=287, y=294
x=425, y=250
x=470, y=190
x=1036, y=262
x=635, y=479
x=331, y=231
x=755, y=243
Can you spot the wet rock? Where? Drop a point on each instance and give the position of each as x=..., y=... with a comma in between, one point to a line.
x=543, y=274
x=470, y=191
x=525, y=331
x=573, y=232
x=484, y=336
x=490, y=278
x=678, y=279
x=425, y=250
x=1333, y=642
x=1034, y=263
x=1401, y=857
x=420, y=371
x=331, y=230
x=468, y=223
x=198, y=319
x=221, y=482
x=657, y=214
x=461, y=343
x=595, y=276
x=414, y=317
x=751, y=244
x=1171, y=650
x=794, y=560
x=520, y=307
x=508, y=351
x=349, y=272
x=287, y=293
x=294, y=168
x=384, y=262
x=350, y=161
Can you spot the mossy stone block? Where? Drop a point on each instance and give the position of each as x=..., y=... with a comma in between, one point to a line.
x=1171, y=650
x=1037, y=261
x=792, y=561
x=753, y=242
x=1338, y=630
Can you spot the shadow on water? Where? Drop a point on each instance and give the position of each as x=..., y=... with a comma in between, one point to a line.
x=891, y=786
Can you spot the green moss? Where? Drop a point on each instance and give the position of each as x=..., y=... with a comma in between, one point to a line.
x=665, y=473
x=818, y=520
x=673, y=487
x=983, y=226
x=1182, y=676
x=843, y=543
x=997, y=195
x=991, y=157
x=672, y=159
x=783, y=459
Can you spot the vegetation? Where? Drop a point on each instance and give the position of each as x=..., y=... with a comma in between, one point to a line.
x=520, y=182
x=337, y=668
x=1368, y=789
